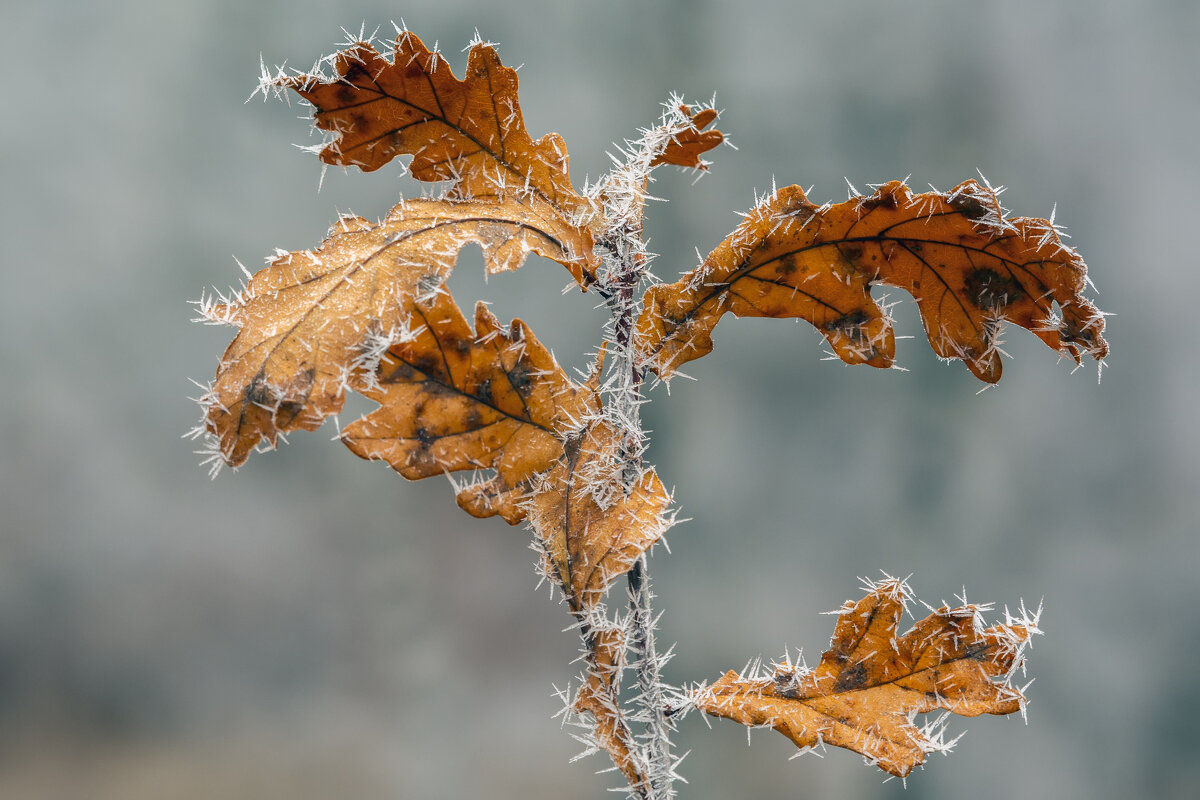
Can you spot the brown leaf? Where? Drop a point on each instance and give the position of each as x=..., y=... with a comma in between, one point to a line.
x=599, y=697
x=456, y=399
x=969, y=268
x=469, y=132
x=871, y=683
x=591, y=534
x=307, y=319
x=685, y=148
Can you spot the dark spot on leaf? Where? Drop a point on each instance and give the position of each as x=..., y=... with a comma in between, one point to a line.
x=345, y=94
x=521, y=379
x=288, y=410
x=295, y=398
x=456, y=344
x=424, y=437
x=428, y=363
x=397, y=372
x=800, y=208
x=990, y=290
x=785, y=685
x=970, y=207
x=886, y=201
x=786, y=266
x=484, y=391
x=572, y=445
x=978, y=653
x=260, y=393
x=1072, y=330
x=851, y=252
x=849, y=325
x=852, y=678
x=357, y=73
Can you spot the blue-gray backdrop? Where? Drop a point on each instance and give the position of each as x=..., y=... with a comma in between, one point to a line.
x=313, y=626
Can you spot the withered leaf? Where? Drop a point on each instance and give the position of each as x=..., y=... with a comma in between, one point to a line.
x=969, y=268
x=599, y=697
x=871, y=682
x=456, y=399
x=307, y=318
x=589, y=533
x=469, y=132
x=686, y=147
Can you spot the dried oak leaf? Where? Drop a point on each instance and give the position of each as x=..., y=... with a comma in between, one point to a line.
x=969, y=268
x=589, y=531
x=599, y=696
x=456, y=399
x=871, y=682
x=468, y=132
x=686, y=147
x=307, y=319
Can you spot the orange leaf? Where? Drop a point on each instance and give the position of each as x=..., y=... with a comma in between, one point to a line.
x=307, y=318
x=870, y=683
x=599, y=696
x=469, y=132
x=591, y=534
x=969, y=268
x=685, y=149
x=452, y=399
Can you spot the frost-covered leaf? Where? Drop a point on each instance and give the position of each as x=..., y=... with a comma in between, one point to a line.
x=600, y=697
x=468, y=132
x=308, y=318
x=969, y=268
x=872, y=681
x=589, y=532
x=685, y=148
x=456, y=399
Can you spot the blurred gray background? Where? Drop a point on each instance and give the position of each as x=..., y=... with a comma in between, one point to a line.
x=315, y=627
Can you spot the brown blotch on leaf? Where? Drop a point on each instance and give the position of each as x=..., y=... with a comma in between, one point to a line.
x=972, y=207
x=990, y=290
x=880, y=200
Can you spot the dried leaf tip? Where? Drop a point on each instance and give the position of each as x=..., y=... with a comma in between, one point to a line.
x=689, y=140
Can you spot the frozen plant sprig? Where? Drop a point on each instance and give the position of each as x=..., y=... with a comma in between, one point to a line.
x=368, y=311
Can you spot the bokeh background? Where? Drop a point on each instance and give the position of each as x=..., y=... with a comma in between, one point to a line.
x=315, y=627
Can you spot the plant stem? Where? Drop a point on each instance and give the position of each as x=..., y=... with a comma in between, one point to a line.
x=651, y=699
x=625, y=402
x=622, y=196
